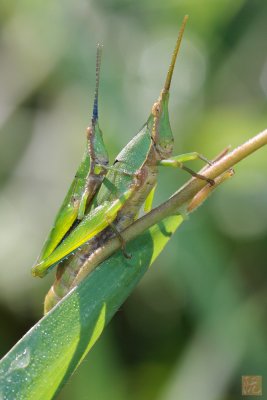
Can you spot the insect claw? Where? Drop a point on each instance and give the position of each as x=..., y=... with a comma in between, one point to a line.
x=211, y=181
x=126, y=255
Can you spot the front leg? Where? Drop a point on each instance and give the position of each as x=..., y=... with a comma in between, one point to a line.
x=178, y=162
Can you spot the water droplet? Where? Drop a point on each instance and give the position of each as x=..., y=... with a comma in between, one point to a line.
x=21, y=361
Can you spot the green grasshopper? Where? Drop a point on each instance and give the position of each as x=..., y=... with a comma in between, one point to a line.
x=86, y=182
x=116, y=202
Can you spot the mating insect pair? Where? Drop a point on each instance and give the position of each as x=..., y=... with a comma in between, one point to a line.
x=103, y=200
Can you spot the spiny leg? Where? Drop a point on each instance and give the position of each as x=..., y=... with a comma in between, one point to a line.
x=121, y=239
x=196, y=175
x=177, y=162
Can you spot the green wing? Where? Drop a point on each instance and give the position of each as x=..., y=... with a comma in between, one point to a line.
x=68, y=211
x=93, y=223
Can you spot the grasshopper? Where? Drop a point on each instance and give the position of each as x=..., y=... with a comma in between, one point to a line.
x=87, y=179
x=125, y=186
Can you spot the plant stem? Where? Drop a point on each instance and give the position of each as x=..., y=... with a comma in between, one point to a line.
x=179, y=199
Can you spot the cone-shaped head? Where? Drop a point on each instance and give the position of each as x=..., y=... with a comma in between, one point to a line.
x=161, y=131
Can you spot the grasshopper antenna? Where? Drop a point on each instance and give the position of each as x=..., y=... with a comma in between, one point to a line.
x=98, y=64
x=174, y=56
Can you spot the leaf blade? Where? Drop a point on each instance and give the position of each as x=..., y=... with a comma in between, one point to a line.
x=44, y=359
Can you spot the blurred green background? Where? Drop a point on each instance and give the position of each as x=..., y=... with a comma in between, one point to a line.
x=197, y=322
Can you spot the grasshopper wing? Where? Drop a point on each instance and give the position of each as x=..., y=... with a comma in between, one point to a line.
x=68, y=211
x=93, y=223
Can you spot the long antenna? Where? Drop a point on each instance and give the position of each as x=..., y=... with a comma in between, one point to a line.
x=97, y=73
x=174, y=56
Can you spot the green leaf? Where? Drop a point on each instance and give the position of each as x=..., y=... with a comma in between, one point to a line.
x=43, y=360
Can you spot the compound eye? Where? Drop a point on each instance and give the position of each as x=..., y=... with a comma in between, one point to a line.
x=156, y=109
